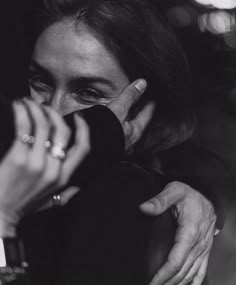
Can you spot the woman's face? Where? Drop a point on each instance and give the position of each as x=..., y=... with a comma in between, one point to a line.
x=72, y=70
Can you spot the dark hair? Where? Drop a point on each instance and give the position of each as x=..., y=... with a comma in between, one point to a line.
x=146, y=48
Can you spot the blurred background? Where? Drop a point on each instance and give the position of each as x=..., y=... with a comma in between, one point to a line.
x=207, y=30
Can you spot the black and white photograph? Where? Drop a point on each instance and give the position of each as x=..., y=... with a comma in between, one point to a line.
x=118, y=142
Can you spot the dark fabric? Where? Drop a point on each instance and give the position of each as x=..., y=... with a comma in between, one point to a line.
x=13, y=51
x=101, y=237
x=201, y=170
x=106, y=139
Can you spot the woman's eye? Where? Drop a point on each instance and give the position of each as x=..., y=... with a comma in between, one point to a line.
x=89, y=96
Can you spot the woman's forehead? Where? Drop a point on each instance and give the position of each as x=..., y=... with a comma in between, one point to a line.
x=74, y=49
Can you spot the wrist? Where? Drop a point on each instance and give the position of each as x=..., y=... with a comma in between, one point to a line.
x=7, y=226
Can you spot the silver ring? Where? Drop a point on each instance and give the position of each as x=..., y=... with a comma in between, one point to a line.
x=48, y=144
x=27, y=139
x=56, y=201
x=57, y=152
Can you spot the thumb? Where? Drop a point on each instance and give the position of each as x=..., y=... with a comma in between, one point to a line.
x=170, y=196
x=121, y=106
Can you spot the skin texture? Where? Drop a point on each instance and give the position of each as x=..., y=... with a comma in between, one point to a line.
x=187, y=262
x=37, y=174
x=76, y=70
x=71, y=70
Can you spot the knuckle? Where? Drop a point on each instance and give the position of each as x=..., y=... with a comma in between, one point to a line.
x=160, y=201
x=133, y=96
x=179, y=277
x=201, y=276
x=175, y=267
x=187, y=280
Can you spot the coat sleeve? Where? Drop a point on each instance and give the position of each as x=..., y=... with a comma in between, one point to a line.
x=106, y=139
x=202, y=170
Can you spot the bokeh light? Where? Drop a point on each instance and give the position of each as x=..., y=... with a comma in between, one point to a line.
x=220, y=4
x=204, y=2
x=217, y=22
x=224, y=4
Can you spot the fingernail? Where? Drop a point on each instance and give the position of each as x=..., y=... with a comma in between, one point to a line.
x=141, y=85
x=148, y=206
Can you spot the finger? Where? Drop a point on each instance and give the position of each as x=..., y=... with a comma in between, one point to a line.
x=59, y=138
x=61, y=132
x=41, y=131
x=171, y=195
x=184, y=242
x=194, y=260
x=79, y=150
x=66, y=196
x=143, y=118
x=193, y=271
x=121, y=106
x=135, y=128
x=22, y=127
x=188, y=277
x=21, y=119
x=198, y=279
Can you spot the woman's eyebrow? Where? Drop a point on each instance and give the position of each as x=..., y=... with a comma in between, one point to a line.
x=87, y=79
x=77, y=80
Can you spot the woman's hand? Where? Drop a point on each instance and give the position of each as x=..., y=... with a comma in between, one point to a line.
x=29, y=173
x=187, y=262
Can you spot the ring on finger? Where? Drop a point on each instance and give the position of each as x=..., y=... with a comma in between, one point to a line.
x=27, y=139
x=48, y=144
x=56, y=201
x=57, y=151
